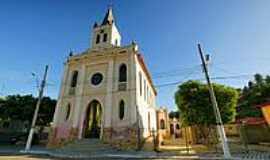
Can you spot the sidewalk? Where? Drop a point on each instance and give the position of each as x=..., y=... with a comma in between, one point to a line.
x=127, y=155
x=39, y=150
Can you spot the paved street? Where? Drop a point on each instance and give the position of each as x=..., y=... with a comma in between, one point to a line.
x=250, y=156
x=38, y=157
x=42, y=157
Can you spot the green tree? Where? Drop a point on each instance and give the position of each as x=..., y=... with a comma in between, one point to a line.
x=255, y=93
x=174, y=114
x=193, y=101
x=17, y=107
x=1, y=110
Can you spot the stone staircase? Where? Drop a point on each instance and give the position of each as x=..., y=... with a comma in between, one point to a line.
x=173, y=141
x=87, y=146
x=176, y=145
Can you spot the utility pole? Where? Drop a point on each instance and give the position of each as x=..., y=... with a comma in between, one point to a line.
x=219, y=123
x=42, y=86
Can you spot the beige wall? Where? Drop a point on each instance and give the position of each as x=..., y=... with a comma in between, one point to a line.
x=146, y=104
x=106, y=62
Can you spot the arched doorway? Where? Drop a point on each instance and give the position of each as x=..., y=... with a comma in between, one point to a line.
x=92, y=121
x=171, y=129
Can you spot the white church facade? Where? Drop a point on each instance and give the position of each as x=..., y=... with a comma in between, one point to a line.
x=106, y=92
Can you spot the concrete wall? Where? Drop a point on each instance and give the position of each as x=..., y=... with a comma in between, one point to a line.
x=146, y=101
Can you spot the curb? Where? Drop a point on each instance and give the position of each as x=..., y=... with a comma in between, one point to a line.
x=130, y=156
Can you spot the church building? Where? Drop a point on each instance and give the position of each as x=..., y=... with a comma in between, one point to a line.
x=106, y=92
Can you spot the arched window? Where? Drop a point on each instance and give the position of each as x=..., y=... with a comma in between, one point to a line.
x=105, y=37
x=140, y=79
x=149, y=122
x=147, y=92
x=74, y=79
x=98, y=39
x=68, y=108
x=171, y=129
x=144, y=90
x=123, y=73
x=121, y=110
x=162, y=124
x=177, y=126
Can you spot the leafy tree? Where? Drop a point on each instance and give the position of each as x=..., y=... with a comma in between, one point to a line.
x=17, y=107
x=259, y=79
x=174, y=114
x=252, y=95
x=267, y=79
x=193, y=101
x=1, y=109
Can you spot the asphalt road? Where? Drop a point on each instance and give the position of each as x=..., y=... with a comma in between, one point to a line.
x=39, y=157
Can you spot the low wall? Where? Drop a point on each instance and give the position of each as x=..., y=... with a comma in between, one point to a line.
x=232, y=130
x=255, y=133
x=122, y=138
x=259, y=133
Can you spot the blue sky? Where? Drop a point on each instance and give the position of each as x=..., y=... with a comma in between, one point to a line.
x=235, y=33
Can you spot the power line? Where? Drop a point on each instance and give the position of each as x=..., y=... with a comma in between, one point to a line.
x=213, y=78
x=242, y=76
x=173, y=71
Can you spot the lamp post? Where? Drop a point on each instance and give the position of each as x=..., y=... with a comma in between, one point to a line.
x=32, y=129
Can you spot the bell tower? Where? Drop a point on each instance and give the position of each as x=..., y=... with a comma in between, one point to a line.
x=106, y=34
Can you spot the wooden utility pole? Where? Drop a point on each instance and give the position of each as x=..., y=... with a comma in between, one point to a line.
x=219, y=123
x=42, y=86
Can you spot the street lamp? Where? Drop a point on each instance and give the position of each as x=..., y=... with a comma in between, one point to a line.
x=40, y=95
x=34, y=75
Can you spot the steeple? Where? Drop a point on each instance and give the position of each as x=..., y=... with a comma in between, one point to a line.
x=108, y=19
x=106, y=35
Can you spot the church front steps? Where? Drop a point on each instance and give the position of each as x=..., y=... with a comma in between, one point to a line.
x=87, y=146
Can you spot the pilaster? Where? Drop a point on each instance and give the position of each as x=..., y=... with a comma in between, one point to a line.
x=78, y=107
x=61, y=95
x=132, y=87
x=107, y=116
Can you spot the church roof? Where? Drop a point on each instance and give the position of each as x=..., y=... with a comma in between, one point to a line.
x=108, y=19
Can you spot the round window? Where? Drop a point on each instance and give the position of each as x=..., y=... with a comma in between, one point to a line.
x=96, y=79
